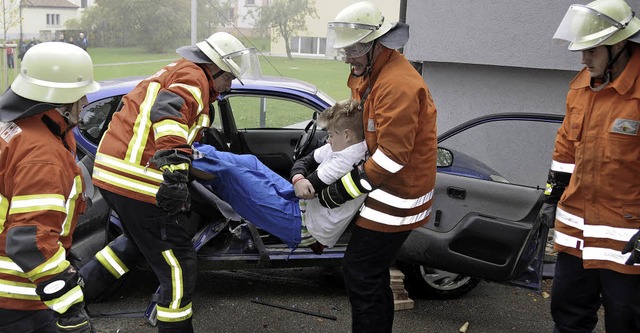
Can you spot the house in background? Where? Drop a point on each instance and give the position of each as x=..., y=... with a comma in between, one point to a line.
x=43, y=19
x=312, y=42
x=239, y=20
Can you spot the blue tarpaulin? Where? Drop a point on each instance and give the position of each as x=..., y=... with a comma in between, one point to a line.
x=255, y=192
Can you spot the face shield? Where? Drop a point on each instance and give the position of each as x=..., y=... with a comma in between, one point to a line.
x=343, y=39
x=243, y=64
x=586, y=28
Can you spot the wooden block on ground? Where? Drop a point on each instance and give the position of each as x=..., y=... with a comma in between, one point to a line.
x=403, y=304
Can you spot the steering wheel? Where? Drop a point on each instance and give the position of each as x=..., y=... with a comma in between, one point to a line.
x=305, y=139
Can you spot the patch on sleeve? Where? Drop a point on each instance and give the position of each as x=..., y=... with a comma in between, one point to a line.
x=8, y=130
x=371, y=125
x=625, y=126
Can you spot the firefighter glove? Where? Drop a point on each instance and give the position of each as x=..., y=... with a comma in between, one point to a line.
x=63, y=294
x=173, y=194
x=548, y=214
x=350, y=186
x=633, y=246
x=74, y=320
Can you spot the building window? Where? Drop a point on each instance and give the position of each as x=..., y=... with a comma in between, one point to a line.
x=309, y=45
x=250, y=3
x=83, y=4
x=53, y=19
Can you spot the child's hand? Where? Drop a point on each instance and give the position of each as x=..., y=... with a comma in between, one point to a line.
x=304, y=189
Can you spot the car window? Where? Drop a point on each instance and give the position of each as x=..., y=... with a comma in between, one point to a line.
x=268, y=112
x=94, y=115
x=513, y=151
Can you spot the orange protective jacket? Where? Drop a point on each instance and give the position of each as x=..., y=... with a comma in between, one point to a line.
x=165, y=111
x=41, y=196
x=400, y=132
x=599, y=144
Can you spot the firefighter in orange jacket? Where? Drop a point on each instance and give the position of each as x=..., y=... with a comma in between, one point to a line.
x=142, y=167
x=593, y=188
x=400, y=131
x=41, y=191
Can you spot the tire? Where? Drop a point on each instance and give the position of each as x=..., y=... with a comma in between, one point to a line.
x=424, y=282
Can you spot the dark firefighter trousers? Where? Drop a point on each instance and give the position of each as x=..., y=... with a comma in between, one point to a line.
x=367, y=279
x=165, y=245
x=578, y=293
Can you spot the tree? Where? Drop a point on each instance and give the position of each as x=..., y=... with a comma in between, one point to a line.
x=156, y=25
x=285, y=18
x=10, y=16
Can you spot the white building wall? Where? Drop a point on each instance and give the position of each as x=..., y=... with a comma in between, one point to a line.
x=34, y=22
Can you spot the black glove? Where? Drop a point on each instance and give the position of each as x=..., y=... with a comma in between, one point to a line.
x=74, y=320
x=548, y=214
x=350, y=186
x=173, y=194
x=60, y=289
x=633, y=245
x=173, y=197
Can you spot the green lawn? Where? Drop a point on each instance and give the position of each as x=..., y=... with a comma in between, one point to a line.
x=329, y=76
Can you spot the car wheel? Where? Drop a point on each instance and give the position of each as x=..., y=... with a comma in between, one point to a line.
x=425, y=282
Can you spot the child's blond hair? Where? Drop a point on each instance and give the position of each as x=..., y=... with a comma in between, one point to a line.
x=345, y=114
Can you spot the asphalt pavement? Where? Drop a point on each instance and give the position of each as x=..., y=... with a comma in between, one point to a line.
x=307, y=300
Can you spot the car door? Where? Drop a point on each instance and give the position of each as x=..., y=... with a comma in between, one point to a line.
x=484, y=216
x=267, y=126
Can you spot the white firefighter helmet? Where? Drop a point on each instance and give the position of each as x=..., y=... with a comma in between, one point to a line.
x=227, y=52
x=601, y=22
x=361, y=22
x=54, y=72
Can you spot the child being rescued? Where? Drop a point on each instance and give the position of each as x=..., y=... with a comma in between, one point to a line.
x=290, y=210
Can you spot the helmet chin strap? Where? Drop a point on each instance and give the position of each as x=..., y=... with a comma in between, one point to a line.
x=367, y=69
x=607, y=72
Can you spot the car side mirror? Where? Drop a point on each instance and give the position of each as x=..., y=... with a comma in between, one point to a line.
x=445, y=157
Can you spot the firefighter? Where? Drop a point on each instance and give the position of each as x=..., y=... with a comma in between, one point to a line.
x=41, y=191
x=400, y=131
x=593, y=189
x=142, y=170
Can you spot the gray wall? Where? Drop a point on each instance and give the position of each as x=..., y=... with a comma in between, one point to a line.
x=486, y=56
x=492, y=56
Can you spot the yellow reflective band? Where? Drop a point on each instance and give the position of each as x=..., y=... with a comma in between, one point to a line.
x=125, y=182
x=53, y=266
x=4, y=208
x=36, y=203
x=170, y=127
x=142, y=125
x=203, y=121
x=174, y=167
x=350, y=186
x=137, y=170
x=71, y=205
x=174, y=315
x=195, y=92
x=62, y=303
x=111, y=262
x=547, y=189
x=176, y=278
x=18, y=290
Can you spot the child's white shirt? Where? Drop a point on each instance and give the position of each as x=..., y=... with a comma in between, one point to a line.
x=327, y=225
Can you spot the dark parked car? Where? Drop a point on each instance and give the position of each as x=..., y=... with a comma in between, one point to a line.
x=483, y=224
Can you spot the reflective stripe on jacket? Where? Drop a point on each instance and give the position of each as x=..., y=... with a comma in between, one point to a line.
x=165, y=111
x=400, y=131
x=41, y=196
x=599, y=143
